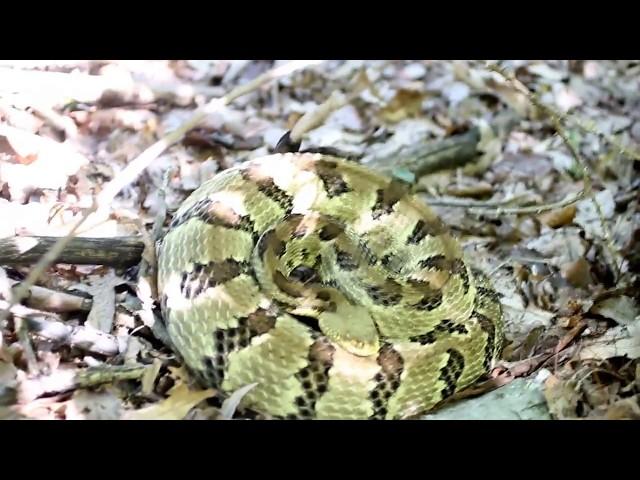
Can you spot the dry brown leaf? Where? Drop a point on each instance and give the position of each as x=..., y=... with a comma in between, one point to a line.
x=474, y=190
x=577, y=273
x=405, y=103
x=560, y=217
x=181, y=399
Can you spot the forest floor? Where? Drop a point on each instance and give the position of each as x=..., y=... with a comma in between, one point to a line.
x=567, y=271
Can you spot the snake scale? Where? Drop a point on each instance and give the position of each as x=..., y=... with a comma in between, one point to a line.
x=332, y=287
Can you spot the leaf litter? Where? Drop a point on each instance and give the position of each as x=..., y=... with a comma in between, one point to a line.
x=557, y=283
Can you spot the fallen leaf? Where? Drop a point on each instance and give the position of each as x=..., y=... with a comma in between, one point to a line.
x=405, y=103
x=559, y=217
x=559, y=246
x=625, y=409
x=456, y=92
x=522, y=319
x=561, y=161
x=545, y=71
x=523, y=166
x=565, y=97
x=562, y=397
x=615, y=342
x=8, y=383
x=181, y=399
x=612, y=124
x=104, y=299
x=150, y=375
x=44, y=163
x=587, y=215
x=5, y=285
x=231, y=404
x=414, y=71
x=577, y=273
x=346, y=117
x=622, y=310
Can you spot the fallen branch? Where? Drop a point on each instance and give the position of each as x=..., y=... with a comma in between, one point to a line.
x=115, y=252
x=424, y=158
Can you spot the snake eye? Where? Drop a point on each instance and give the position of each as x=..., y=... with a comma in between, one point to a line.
x=303, y=274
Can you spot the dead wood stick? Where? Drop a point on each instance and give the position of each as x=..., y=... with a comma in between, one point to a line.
x=67, y=380
x=49, y=300
x=115, y=251
x=428, y=157
x=47, y=325
x=85, y=338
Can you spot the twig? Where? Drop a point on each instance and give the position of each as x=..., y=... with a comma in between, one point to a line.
x=317, y=116
x=477, y=208
x=61, y=87
x=428, y=156
x=534, y=209
x=441, y=202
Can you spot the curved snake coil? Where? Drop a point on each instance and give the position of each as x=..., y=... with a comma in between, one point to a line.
x=335, y=289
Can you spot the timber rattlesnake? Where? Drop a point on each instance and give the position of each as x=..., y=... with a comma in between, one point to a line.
x=336, y=290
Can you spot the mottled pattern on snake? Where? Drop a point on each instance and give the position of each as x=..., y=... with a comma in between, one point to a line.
x=332, y=287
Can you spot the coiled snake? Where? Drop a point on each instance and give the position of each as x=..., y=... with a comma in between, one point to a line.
x=332, y=287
